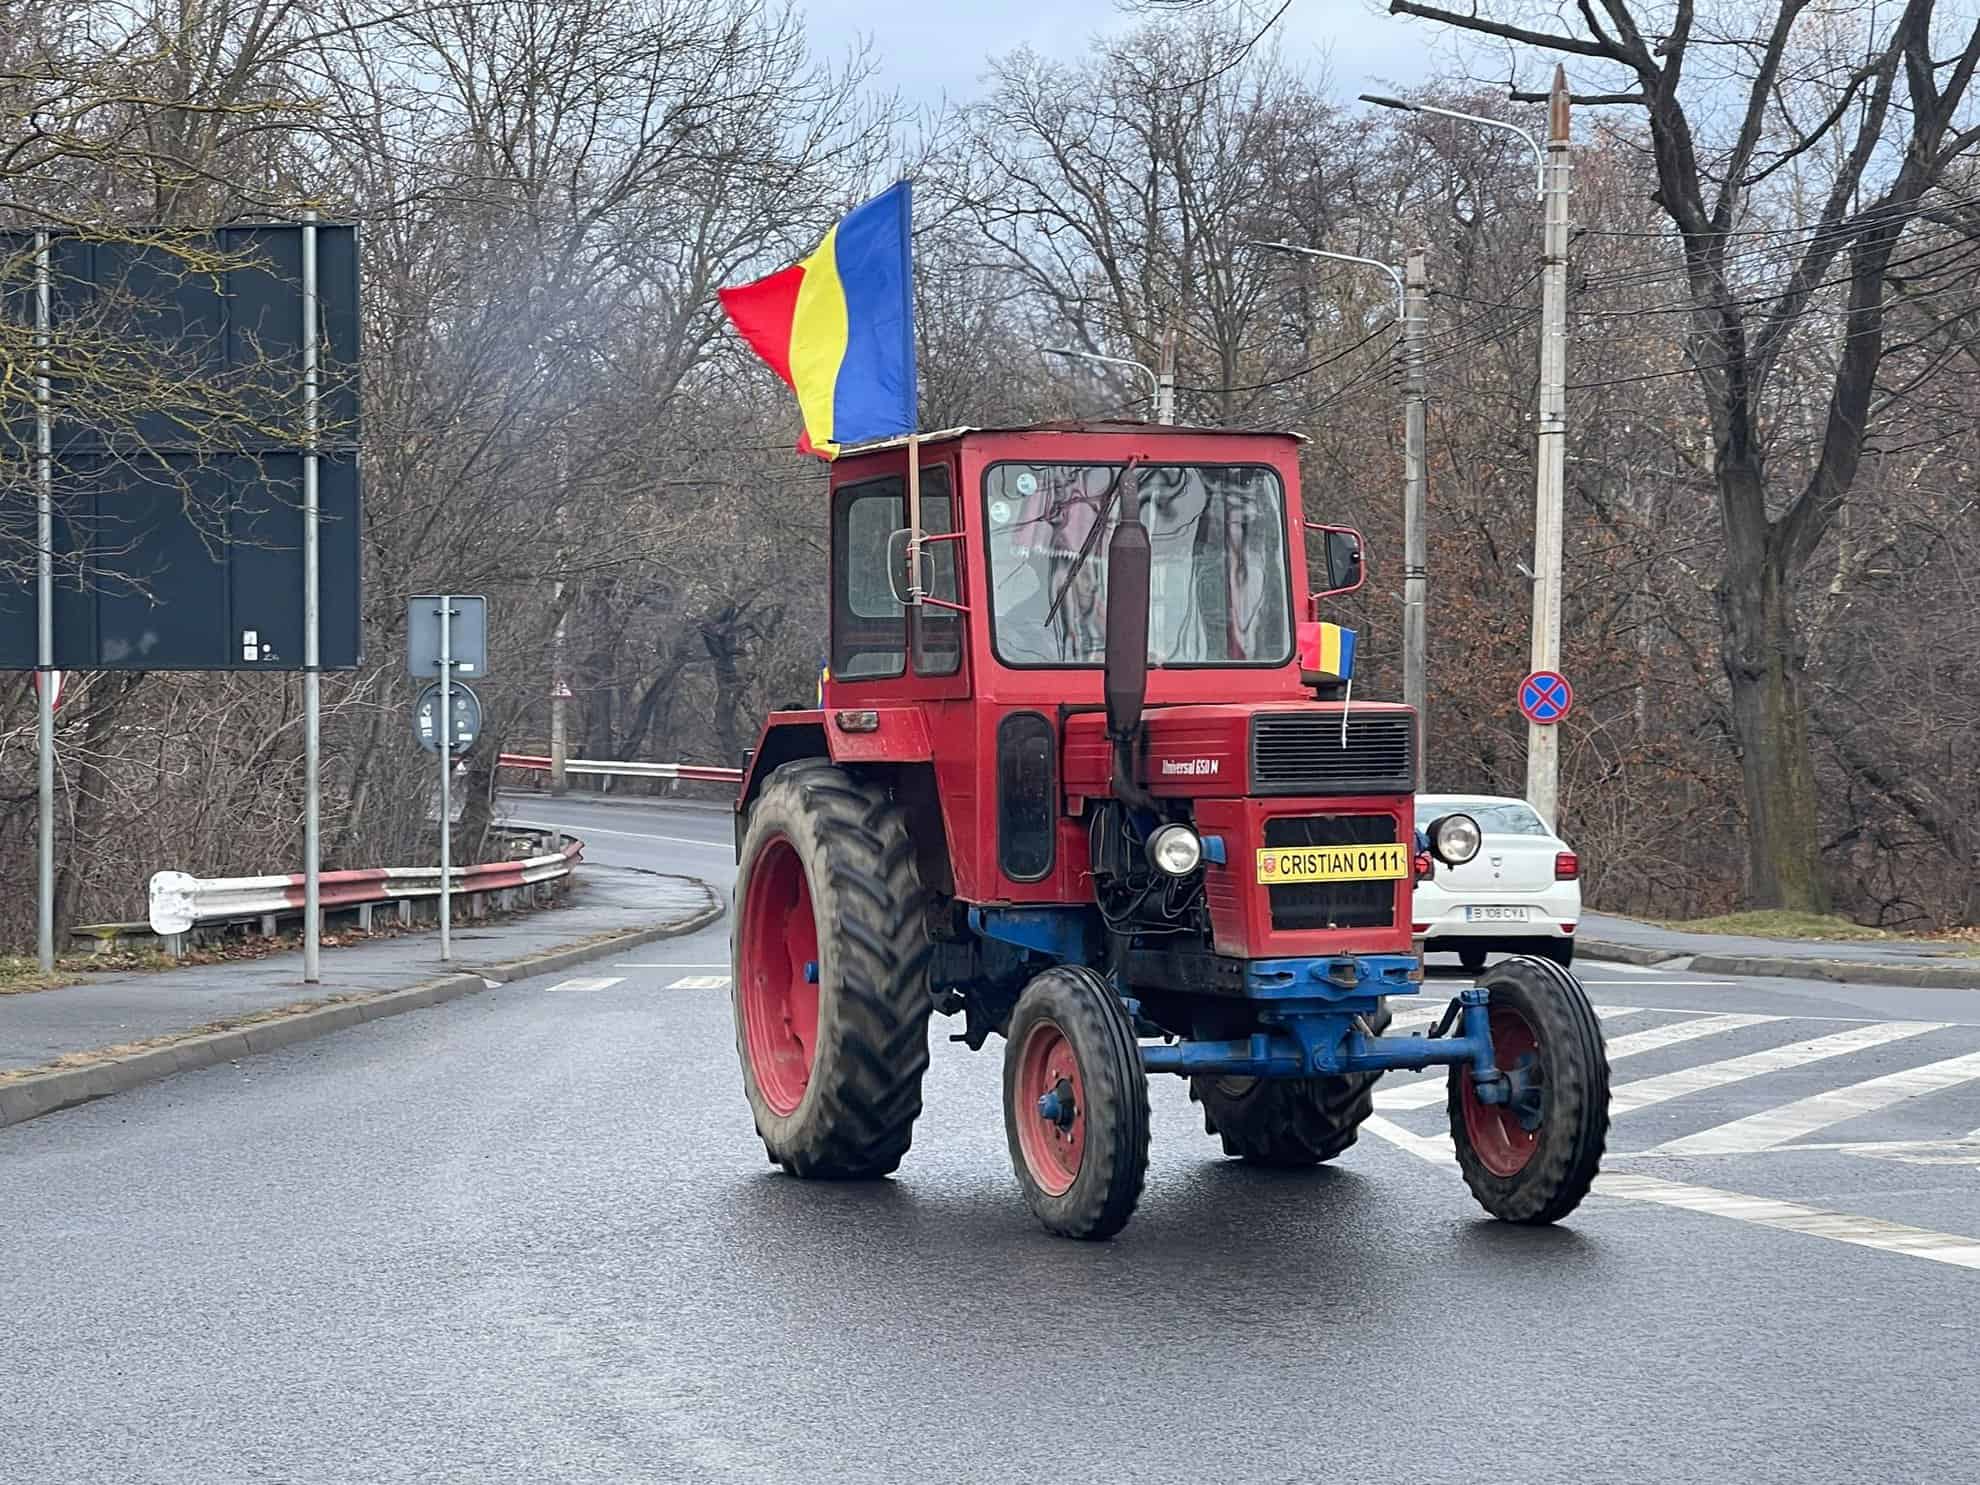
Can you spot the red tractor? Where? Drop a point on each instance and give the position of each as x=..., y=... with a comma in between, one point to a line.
x=1071, y=780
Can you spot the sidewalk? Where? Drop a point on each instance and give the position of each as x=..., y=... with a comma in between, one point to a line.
x=1872, y=962
x=92, y=1026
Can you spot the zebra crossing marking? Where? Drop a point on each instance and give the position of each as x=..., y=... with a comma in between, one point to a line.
x=1758, y=1211
x=701, y=982
x=1644, y=1092
x=585, y=986
x=1779, y=1126
x=1427, y=1091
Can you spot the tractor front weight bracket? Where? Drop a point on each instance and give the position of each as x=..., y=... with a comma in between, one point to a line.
x=1322, y=1037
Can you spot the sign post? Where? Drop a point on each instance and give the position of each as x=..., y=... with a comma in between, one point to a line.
x=44, y=606
x=446, y=778
x=446, y=633
x=312, y=629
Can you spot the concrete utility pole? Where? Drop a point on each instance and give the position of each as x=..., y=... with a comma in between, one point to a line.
x=1413, y=311
x=1543, y=744
x=1543, y=757
x=1416, y=569
x=1165, y=380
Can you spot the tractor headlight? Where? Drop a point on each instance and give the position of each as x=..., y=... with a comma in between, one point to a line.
x=1175, y=849
x=1454, y=839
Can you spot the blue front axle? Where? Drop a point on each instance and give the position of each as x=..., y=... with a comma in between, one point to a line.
x=1314, y=1012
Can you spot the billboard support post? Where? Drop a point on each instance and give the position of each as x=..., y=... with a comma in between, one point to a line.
x=312, y=629
x=44, y=611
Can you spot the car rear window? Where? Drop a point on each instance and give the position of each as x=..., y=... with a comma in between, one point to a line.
x=1506, y=818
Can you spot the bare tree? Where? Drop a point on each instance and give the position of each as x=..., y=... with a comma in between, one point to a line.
x=1870, y=130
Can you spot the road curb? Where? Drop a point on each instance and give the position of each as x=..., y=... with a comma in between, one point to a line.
x=1844, y=971
x=29, y=1098
x=1615, y=953
x=1778, y=967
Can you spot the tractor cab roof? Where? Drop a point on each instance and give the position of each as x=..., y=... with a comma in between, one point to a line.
x=1120, y=428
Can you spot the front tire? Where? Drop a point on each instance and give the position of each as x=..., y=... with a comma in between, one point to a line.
x=1533, y=1164
x=830, y=990
x=1076, y=1104
x=1288, y=1122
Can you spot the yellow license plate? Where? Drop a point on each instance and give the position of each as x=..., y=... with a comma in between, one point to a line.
x=1332, y=863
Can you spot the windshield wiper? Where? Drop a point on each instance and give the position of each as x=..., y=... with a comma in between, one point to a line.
x=1086, y=547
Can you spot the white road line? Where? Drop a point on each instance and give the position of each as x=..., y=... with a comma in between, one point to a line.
x=723, y=964
x=1629, y=969
x=1647, y=1091
x=1659, y=1037
x=1763, y=1131
x=602, y=983
x=701, y=982
x=1431, y=1089
x=1786, y=1216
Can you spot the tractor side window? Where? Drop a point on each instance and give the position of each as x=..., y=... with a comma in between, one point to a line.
x=869, y=625
x=938, y=631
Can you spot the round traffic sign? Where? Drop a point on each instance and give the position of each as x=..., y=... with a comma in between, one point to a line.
x=466, y=707
x=1545, y=697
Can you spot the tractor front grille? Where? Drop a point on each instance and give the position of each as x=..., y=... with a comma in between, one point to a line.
x=1305, y=753
x=1310, y=905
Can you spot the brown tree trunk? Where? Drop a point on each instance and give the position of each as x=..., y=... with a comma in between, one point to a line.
x=1763, y=659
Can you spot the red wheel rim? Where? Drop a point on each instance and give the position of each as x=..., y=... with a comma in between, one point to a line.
x=1502, y=1145
x=778, y=970
x=1052, y=1149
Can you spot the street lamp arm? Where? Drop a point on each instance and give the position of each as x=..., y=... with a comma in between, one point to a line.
x=1310, y=252
x=1154, y=382
x=1539, y=150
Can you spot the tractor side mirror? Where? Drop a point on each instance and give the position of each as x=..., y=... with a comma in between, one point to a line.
x=1341, y=555
x=1129, y=558
x=899, y=581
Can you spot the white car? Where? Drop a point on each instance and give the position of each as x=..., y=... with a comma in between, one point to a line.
x=1521, y=894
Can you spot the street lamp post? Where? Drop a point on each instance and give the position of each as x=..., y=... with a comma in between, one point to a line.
x=1412, y=308
x=1164, y=386
x=1543, y=758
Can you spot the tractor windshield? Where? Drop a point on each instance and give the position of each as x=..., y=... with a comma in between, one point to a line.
x=1220, y=591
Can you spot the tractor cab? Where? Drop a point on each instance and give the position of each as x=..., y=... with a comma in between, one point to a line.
x=1088, y=772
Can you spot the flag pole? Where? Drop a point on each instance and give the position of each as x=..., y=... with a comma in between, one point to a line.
x=914, y=519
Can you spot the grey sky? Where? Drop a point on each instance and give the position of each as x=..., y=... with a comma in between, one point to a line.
x=927, y=48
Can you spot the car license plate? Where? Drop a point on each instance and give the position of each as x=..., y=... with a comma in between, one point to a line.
x=1332, y=863
x=1495, y=915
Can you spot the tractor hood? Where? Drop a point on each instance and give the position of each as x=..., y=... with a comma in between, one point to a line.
x=1230, y=750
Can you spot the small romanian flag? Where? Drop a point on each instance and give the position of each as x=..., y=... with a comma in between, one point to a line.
x=1327, y=649
x=839, y=327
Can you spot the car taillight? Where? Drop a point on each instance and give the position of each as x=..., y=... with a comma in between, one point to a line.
x=1567, y=866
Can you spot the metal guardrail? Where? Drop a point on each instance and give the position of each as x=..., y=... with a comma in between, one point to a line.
x=696, y=772
x=180, y=902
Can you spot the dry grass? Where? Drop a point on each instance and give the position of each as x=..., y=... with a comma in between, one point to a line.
x=1825, y=928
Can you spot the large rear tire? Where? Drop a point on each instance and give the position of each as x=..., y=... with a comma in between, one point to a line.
x=830, y=991
x=1076, y=1104
x=1288, y=1122
x=1533, y=1163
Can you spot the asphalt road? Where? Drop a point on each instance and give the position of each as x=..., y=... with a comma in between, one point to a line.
x=530, y=1236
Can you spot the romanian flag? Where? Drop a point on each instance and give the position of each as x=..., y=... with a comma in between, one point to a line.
x=839, y=327
x=1327, y=649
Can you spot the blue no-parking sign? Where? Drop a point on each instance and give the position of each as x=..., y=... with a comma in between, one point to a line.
x=1545, y=697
